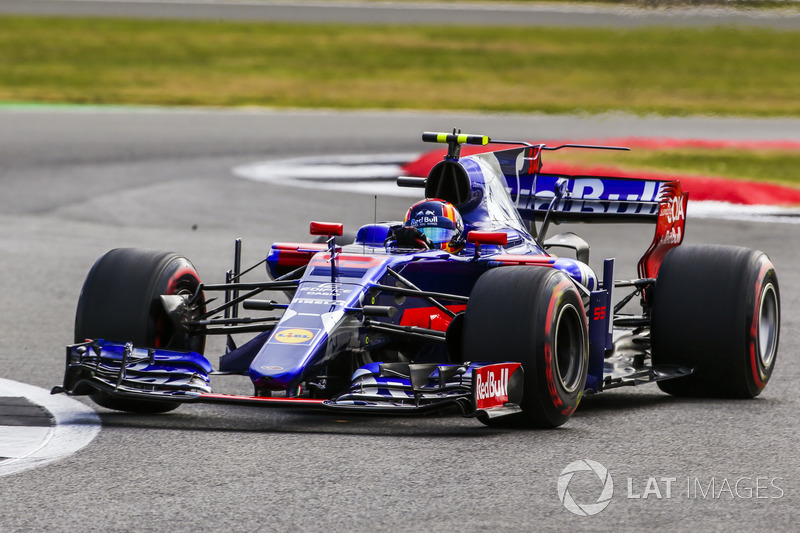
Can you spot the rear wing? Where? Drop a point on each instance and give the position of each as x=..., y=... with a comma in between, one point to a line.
x=583, y=198
x=587, y=198
x=519, y=171
x=561, y=198
x=473, y=182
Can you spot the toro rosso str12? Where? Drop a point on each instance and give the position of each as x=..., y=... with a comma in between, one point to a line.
x=395, y=321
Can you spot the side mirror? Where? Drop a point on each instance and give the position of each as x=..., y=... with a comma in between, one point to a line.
x=478, y=238
x=326, y=228
x=499, y=238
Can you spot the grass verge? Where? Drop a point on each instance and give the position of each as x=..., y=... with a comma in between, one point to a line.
x=747, y=72
x=773, y=166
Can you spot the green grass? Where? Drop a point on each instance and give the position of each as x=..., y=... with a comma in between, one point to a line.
x=770, y=166
x=775, y=166
x=748, y=72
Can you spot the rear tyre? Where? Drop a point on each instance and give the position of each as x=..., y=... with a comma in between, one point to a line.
x=535, y=316
x=120, y=302
x=716, y=309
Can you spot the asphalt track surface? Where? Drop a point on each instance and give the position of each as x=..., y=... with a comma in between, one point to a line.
x=79, y=182
x=354, y=12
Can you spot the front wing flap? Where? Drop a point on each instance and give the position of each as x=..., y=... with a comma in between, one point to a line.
x=478, y=389
x=125, y=370
x=121, y=370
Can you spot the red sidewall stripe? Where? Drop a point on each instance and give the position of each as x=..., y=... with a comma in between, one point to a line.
x=755, y=367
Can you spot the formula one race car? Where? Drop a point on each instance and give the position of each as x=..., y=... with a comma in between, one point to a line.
x=461, y=304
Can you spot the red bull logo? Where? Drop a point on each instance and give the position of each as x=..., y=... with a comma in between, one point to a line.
x=491, y=385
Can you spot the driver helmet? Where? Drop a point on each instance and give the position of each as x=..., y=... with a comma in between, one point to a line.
x=439, y=221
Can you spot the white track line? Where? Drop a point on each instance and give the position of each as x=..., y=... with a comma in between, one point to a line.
x=360, y=174
x=75, y=426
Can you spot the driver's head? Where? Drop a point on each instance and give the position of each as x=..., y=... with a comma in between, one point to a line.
x=439, y=221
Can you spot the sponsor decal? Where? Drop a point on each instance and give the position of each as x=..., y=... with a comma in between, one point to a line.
x=325, y=289
x=491, y=385
x=670, y=220
x=424, y=221
x=669, y=229
x=673, y=210
x=270, y=367
x=672, y=236
x=314, y=301
x=294, y=335
x=594, y=195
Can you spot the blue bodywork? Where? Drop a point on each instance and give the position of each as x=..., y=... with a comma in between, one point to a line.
x=326, y=331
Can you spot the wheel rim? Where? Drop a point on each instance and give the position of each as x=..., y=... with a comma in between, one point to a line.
x=768, y=326
x=166, y=335
x=569, y=348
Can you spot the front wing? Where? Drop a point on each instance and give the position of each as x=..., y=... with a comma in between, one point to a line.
x=121, y=370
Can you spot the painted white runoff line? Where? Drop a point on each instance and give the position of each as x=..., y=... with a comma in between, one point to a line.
x=373, y=174
x=74, y=425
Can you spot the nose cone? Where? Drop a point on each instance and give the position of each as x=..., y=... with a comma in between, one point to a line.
x=316, y=327
x=281, y=362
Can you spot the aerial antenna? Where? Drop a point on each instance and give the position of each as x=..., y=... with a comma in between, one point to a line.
x=374, y=221
x=453, y=146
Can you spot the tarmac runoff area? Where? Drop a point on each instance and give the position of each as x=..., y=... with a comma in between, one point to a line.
x=37, y=428
x=486, y=13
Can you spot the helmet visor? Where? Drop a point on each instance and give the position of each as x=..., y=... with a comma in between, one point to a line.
x=438, y=236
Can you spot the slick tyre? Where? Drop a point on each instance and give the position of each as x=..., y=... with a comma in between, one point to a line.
x=535, y=316
x=120, y=301
x=716, y=309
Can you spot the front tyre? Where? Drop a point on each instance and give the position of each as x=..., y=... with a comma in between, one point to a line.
x=535, y=316
x=120, y=301
x=716, y=309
